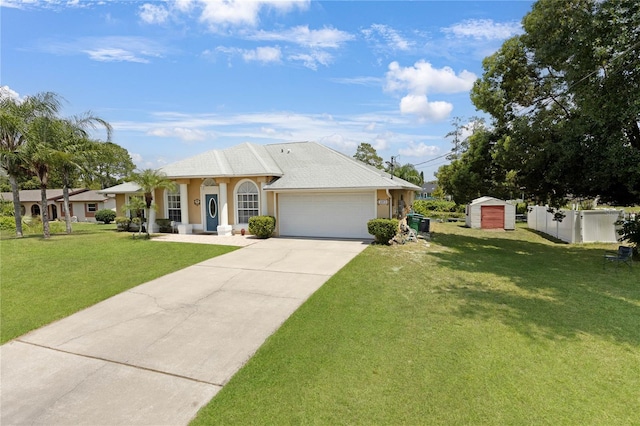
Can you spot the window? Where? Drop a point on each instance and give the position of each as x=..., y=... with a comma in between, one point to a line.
x=247, y=201
x=35, y=210
x=174, y=213
x=92, y=207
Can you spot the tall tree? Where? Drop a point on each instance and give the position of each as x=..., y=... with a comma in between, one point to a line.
x=108, y=165
x=39, y=157
x=15, y=117
x=368, y=155
x=564, y=100
x=72, y=152
x=149, y=180
x=474, y=172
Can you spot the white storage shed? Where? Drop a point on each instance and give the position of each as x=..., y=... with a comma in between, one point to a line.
x=491, y=213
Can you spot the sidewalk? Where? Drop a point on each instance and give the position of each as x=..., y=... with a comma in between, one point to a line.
x=155, y=354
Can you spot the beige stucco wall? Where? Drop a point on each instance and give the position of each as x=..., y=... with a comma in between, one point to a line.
x=194, y=191
x=120, y=201
x=382, y=210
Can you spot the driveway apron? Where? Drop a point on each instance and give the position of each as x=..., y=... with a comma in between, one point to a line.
x=157, y=353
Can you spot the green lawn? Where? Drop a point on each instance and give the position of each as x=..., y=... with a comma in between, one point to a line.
x=476, y=328
x=45, y=280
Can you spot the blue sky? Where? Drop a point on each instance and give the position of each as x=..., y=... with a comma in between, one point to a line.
x=179, y=77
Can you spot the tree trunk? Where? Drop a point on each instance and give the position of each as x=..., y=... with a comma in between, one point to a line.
x=65, y=196
x=17, y=210
x=147, y=213
x=46, y=233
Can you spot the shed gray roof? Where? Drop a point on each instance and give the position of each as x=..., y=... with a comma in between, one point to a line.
x=241, y=160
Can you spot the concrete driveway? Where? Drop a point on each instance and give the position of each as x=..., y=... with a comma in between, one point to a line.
x=155, y=354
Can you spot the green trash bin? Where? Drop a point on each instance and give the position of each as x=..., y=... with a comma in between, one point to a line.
x=413, y=220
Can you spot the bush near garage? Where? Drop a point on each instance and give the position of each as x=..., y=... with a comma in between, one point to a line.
x=383, y=229
x=105, y=216
x=262, y=226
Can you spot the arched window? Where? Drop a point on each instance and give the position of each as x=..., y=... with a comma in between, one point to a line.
x=247, y=201
x=35, y=210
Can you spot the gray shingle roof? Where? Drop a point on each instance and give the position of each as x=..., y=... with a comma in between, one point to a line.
x=123, y=188
x=309, y=165
x=297, y=165
x=33, y=195
x=240, y=160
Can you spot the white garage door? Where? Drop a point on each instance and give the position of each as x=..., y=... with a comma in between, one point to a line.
x=341, y=215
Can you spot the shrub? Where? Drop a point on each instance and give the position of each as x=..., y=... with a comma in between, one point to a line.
x=262, y=226
x=439, y=209
x=122, y=223
x=382, y=229
x=7, y=223
x=106, y=216
x=164, y=225
x=630, y=231
x=425, y=206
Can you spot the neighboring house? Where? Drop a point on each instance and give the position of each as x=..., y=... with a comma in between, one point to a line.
x=83, y=203
x=426, y=193
x=311, y=190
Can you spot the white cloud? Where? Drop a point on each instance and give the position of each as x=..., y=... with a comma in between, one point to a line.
x=182, y=133
x=324, y=38
x=422, y=78
x=108, y=49
x=392, y=39
x=312, y=59
x=362, y=81
x=419, y=150
x=383, y=141
x=484, y=29
x=114, y=55
x=136, y=158
x=263, y=54
x=225, y=13
x=426, y=111
x=153, y=14
x=7, y=92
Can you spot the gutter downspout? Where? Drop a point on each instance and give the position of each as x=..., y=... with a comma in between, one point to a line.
x=390, y=203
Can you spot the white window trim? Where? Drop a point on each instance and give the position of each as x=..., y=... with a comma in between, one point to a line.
x=166, y=203
x=235, y=199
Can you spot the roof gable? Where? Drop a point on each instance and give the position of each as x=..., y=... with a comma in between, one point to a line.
x=241, y=160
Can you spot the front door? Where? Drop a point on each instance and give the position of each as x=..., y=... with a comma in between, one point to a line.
x=211, y=208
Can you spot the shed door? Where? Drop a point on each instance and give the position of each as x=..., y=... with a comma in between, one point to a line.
x=492, y=217
x=337, y=215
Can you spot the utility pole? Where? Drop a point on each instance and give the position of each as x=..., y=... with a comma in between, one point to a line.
x=391, y=165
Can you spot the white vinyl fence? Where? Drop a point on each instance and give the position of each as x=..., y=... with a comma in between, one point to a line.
x=578, y=226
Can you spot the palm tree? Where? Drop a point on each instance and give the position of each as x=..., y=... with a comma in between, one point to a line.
x=40, y=156
x=409, y=173
x=149, y=180
x=72, y=152
x=15, y=116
